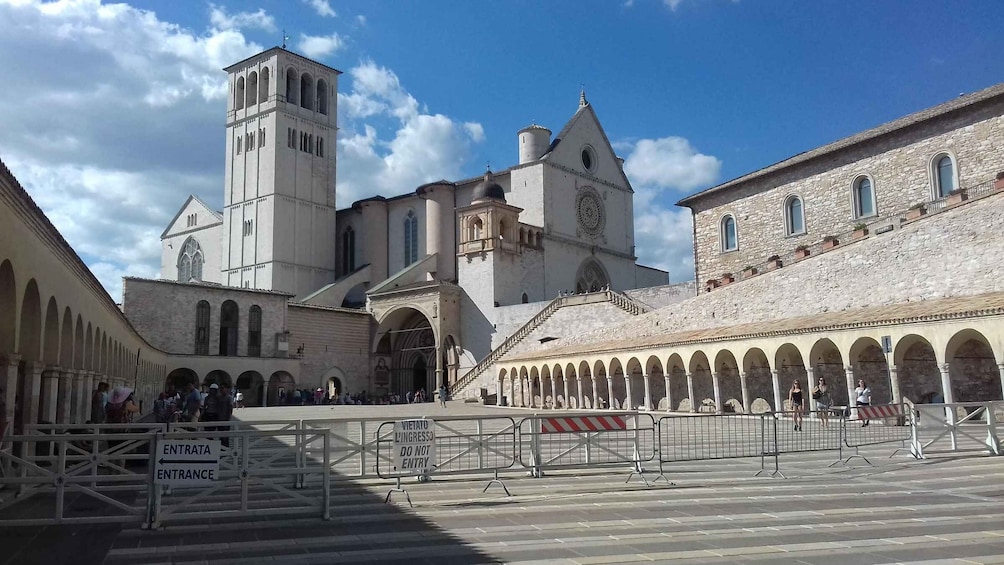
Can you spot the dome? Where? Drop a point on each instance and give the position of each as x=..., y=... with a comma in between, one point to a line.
x=488, y=190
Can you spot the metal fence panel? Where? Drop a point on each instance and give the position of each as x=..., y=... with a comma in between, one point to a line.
x=590, y=447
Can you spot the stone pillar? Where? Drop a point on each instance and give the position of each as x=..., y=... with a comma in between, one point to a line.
x=897, y=395
x=743, y=384
x=87, y=387
x=648, y=390
x=501, y=392
x=439, y=367
x=669, y=395
x=627, y=392
x=775, y=378
x=851, y=397
x=690, y=391
x=564, y=386
x=610, y=392
x=554, y=392
x=31, y=395
x=1000, y=369
x=9, y=376
x=946, y=384
x=512, y=391
x=596, y=394
x=716, y=383
x=578, y=390
x=50, y=393
x=65, y=396
x=810, y=384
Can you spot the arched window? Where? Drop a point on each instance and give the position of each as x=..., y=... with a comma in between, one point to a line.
x=864, y=197
x=202, y=328
x=592, y=276
x=348, y=250
x=292, y=87
x=306, y=92
x=263, y=86
x=229, y=318
x=322, y=96
x=252, y=89
x=254, y=331
x=526, y=299
x=239, y=94
x=190, y=261
x=794, y=216
x=729, y=235
x=945, y=179
x=410, y=238
x=475, y=230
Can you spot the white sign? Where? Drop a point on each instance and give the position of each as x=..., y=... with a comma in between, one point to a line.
x=414, y=446
x=187, y=462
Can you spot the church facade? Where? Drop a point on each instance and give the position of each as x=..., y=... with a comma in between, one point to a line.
x=434, y=270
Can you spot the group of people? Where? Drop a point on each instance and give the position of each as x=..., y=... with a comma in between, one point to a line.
x=206, y=404
x=114, y=406
x=824, y=402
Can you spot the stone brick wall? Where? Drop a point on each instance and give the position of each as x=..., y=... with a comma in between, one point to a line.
x=898, y=163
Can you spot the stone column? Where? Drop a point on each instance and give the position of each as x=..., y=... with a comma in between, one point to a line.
x=501, y=392
x=811, y=384
x=897, y=394
x=610, y=392
x=669, y=395
x=648, y=390
x=578, y=386
x=596, y=394
x=554, y=392
x=775, y=378
x=690, y=391
x=31, y=395
x=1000, y=369
x=512, y=391
x=9, y=368
x=627, y=392
x=564, y=387
x=743, y=378
x=86, y=388
x=65, y=396
x=50, y=393
x=717, y=385
x=851, y=397
x=946, y=384
x=439, y=368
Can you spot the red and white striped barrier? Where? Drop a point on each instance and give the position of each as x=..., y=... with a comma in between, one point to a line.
x=880, y=412
x=582, y=424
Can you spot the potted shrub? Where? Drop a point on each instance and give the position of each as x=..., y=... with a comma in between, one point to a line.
x=712, y=284
x=830, y=241
x=957, y=196
x=801, y=252
x=916, y=211
x=860, y=230
x=774, y=262
x=727, y=278
x=749, y=271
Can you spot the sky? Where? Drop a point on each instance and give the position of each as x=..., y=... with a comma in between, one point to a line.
x=111, y=114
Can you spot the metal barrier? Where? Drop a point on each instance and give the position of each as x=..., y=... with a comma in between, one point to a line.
x=703, y=437
x=252, y=482
x=880, y=424
x=572, y=441
x=965, y=425
x=92, y=470
x=353, y=444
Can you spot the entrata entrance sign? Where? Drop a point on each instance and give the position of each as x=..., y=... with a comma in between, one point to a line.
x=414, y=446
x=187, y=462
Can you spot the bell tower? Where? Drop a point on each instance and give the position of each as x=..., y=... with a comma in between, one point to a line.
x=279, y=194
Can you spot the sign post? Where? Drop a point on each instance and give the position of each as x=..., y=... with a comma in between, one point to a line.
x=187, y=462
x=414, y=451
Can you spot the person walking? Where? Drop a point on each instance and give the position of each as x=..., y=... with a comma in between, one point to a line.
x=442, y=395
x=864, y=396
x=98, y=400
x=193, y=404
x=797, y=404
x=823, y=401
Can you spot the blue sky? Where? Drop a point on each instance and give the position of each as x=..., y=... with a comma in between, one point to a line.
x=113, y=113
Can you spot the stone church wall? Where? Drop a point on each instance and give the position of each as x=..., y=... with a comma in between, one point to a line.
x=332, y=339
x=899, y=165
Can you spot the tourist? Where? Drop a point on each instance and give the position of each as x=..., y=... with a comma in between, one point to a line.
x=823, y=401
x=864, y=395
x=442, y=395
x=226, y=412
x=162, y=409
x=193, y=404
x=213, y=405
x=239, y=399
x=797, y=404
x=99, y=398
x=121, y=406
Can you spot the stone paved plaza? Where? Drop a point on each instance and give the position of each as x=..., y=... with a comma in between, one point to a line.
x=947, y=510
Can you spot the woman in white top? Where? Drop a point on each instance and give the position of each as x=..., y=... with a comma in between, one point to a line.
x=864, y=395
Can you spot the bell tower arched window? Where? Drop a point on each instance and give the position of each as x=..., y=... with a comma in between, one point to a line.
x=239, y=94
x=410, y=238
x=292, y=87
x=322, y=96
x=252, y=89
x=306, y=91
x=263, y=86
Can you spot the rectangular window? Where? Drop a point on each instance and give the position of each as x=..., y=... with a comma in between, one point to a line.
x=239, y=145
x=261, y=137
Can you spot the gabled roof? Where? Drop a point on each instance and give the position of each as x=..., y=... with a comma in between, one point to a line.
x=586, y=109
x=217, y=215
x=958, y=104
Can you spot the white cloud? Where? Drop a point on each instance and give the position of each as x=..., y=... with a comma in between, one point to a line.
x=661, y=170
x=361, y=20
x=672, y=4
x=319, y=46
x=322, y=7
x=220, y=19
x=670, y=162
